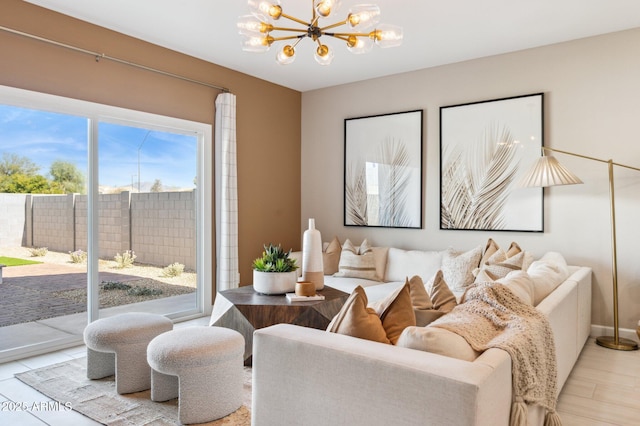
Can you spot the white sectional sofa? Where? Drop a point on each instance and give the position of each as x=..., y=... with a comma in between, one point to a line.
x=308, y=377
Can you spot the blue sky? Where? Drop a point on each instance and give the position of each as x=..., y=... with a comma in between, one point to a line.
x=44, y=137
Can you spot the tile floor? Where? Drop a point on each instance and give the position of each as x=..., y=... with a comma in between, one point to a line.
x=15, y=394
x=603, y=389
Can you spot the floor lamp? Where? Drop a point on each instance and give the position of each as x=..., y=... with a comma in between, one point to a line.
x=547, y=171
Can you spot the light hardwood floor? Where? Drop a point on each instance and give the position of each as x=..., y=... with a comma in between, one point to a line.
x=603, y=389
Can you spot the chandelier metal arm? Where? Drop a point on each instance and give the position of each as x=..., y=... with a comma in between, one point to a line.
x=347, y=34
x=294, y=19
x=298, y=30
x=300, y=37
x=337, y=24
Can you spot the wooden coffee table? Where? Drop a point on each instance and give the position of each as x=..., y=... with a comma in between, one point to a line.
x=244, y=310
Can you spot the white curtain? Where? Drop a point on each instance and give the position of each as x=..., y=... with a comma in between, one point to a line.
x=227, y=272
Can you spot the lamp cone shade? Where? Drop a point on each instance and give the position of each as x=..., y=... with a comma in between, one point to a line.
x=548, y=171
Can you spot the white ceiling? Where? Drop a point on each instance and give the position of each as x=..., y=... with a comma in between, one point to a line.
x=436, y=32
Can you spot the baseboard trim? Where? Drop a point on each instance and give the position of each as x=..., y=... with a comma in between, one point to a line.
x=601, y=330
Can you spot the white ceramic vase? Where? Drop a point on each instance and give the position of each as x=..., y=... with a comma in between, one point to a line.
x=274, y=282
x=312, y=267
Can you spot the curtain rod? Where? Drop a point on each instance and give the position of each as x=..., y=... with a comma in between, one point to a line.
x=99, y=56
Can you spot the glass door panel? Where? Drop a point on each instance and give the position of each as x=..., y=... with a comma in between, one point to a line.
x=147, y=222
x=43, y=168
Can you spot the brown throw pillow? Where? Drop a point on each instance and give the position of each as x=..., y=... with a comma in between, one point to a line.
x=331, y=257
x=419, y=296
x=497, y=263
x=442, y=297
x=396, y=313
x=357, y=320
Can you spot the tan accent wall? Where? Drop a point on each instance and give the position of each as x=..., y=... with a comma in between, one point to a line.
x=266, y=148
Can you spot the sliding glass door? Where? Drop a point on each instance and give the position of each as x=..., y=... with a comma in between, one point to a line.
x=124, y=208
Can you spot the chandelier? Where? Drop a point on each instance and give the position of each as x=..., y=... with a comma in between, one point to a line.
x=261, y=32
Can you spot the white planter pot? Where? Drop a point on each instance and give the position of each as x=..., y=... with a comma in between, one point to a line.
x=274, y=282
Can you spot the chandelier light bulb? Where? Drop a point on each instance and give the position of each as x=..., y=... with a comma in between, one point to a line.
x=387, y=35
x=286, y=56
x=363, y=16
x=323, y=55
x=359, y=45
x=271, y=9
x=253, y=25
x=257, y=44
x=325, y=7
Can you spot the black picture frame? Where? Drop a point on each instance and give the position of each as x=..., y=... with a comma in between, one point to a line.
x=486, y=148
x=383, y=171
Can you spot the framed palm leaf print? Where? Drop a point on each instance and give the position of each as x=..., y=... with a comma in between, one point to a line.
x=485, y=150
x=383, y=170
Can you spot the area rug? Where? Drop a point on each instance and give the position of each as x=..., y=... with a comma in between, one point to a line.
x=67, y=383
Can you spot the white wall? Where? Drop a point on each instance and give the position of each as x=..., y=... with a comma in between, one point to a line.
x=592, y=106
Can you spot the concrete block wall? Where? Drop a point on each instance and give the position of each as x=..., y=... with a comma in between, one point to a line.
x=13, y=232
x=158, y=226
x=163, y=228
x=53, y=222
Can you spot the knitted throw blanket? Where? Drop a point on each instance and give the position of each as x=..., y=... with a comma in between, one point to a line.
x=491, y=316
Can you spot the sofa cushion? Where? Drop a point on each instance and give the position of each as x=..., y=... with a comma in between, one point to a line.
x=458, y=267
x=358, y=320
x=521, y=284
x=404, y=263
x=396, y=313
x=547, y=273
x=357, y=262
x=331, y=257
x=438, y=341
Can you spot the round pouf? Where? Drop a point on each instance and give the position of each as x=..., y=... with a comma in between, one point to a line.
x=203, y=367
x=118, y=345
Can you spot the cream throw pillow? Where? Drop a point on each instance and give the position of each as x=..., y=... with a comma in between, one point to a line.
x=331, y=257
x=438, y=341
x=458, y=267
x=547, y=273
x=521, y=284
x=357, y=320
x=357, y=263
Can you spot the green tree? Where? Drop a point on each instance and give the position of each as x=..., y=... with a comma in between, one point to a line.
x=157, y=186
x=67, y=176
x=27, y=184
x=13, y=164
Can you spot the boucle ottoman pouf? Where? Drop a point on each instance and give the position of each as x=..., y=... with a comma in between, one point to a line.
x=118, y=345
x=203, y=367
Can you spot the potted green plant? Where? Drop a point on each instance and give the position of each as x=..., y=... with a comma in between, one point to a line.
x=274, y=272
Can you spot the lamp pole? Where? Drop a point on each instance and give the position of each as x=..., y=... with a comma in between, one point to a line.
x=615, y=341
x=139, y=147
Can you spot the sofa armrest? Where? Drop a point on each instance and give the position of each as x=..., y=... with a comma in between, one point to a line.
x=312, y=377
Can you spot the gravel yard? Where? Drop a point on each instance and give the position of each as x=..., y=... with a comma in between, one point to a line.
x=151, y=283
